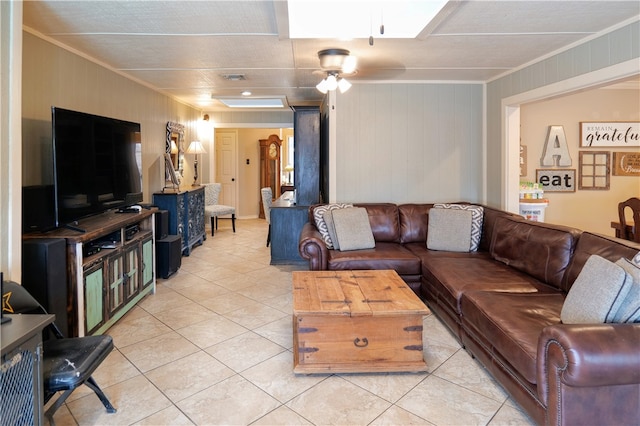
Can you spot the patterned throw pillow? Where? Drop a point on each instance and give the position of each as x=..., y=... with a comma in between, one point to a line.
x=477, y=218
x=318, y=217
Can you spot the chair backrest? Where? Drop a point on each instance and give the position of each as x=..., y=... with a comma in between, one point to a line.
x=211, y=193
x=634, y=204
x=17, y=300
x=267, y=199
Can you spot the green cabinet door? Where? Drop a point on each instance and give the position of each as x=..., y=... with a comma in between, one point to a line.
x=93, y=297
x=147, y=262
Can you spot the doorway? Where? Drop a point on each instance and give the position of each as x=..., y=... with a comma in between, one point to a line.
x=247, y=162
x=226, y=173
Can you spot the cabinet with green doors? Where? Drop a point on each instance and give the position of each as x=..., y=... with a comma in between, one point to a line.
x=110, y=265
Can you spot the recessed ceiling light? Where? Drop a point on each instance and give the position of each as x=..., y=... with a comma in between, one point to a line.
x=246, y=93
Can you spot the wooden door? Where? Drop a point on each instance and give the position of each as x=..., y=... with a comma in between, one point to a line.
x=226, y=166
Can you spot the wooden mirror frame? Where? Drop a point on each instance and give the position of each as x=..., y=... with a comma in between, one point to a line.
x=175, y=133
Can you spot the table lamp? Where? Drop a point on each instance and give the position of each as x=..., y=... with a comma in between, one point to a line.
x=195, y=147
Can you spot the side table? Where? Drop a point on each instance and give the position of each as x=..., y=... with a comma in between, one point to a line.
x=21, y=389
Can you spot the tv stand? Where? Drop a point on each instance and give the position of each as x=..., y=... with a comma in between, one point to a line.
x=103, y=285
x=74, y=228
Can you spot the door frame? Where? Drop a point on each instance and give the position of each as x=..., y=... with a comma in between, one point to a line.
x=222, y=126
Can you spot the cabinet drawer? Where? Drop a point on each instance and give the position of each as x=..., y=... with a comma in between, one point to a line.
x=334, y=343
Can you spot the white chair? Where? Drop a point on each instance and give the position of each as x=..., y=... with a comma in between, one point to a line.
x=213, y=210
x=267, y=199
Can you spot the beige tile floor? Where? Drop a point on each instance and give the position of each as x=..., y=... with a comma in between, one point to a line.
x=213, y=346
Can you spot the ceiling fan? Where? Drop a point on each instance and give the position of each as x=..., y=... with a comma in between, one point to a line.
x=335, y=63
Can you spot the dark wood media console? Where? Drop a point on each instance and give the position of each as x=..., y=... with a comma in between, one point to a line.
x=110, y=267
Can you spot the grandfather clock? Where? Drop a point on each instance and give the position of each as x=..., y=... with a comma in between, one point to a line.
x=270, y=149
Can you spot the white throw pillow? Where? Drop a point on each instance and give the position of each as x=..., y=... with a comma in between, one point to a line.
x=449, y=230
x=353, y=229
x=477, y=219
x=318, y=217
x=597, y=293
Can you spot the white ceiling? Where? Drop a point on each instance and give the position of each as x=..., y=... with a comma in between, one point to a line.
x=183, y=48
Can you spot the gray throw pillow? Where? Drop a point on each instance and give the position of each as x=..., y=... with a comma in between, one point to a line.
x=318, y=217
x=477, y=219
x=597, y=293
x=331, y=228
x=630, y=309
x=353, y=229
x=449, y=230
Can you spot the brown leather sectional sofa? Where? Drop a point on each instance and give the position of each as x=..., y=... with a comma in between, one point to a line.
x=503, y=303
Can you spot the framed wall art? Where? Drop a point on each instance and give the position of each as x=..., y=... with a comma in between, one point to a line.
x=557, y=180
x=593, y=170
x=615, y=134
x=626, y=164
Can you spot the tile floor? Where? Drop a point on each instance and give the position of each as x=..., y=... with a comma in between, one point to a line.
x=213, y=346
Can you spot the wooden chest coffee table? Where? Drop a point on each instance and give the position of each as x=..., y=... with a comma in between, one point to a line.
x=356, y=321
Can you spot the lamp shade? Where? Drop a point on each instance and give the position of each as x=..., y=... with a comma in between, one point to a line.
x=195, y=147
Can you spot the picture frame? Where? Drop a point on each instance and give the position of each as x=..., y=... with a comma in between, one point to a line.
x=556, y=180
x=613, y=134
x=626, y=164
x=170, y=173
x=594, y=170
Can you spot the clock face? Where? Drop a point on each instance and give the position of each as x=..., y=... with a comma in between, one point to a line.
x=273, y=150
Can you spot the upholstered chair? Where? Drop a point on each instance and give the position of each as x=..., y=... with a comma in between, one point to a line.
x=214, y=210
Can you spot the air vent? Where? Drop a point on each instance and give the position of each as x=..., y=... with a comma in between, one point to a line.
x=234, y=77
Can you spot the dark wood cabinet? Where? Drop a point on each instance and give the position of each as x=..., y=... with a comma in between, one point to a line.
x=287, y=220
x=306, y=135
x=186, y=215
x=110, y=267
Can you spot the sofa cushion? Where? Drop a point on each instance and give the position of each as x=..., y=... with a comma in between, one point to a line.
x=538, y=249
x=449, y=230
x=630, y=309
x=414, y=222
x=477, y=215
x=510, y=324
x=353, y=230
x=597, y=294
x=318, y=218
x=383, y=256
x=452, y=276
x=384, y=220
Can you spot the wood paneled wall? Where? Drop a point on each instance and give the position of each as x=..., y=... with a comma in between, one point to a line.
x=410, y=143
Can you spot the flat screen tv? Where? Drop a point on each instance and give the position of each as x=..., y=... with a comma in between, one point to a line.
x=96, y=165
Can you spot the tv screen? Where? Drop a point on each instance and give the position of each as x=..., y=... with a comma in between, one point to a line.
x=96, y=163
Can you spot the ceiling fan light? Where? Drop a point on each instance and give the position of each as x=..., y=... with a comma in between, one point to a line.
x=322, y=86
x=332, y=82
x=349, y=64
x=343, y=85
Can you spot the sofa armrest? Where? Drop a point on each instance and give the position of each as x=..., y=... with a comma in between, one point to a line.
x=312, y=248
x=588, y=355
